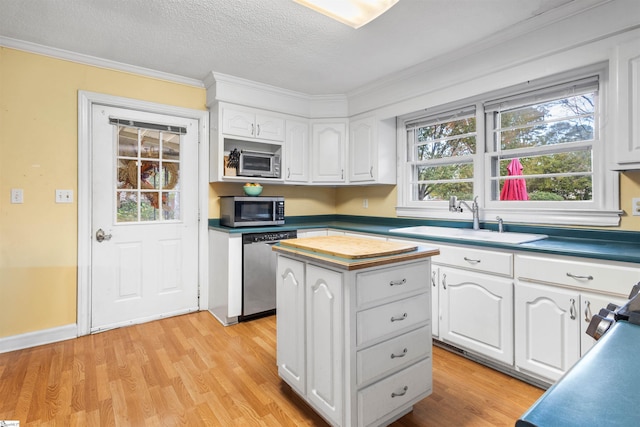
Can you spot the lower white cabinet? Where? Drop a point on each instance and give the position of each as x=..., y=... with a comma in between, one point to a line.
x=355, y=345
x=476, y=313
x=547, y=329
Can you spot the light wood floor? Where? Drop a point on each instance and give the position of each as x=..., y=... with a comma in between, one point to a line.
x=189, y=370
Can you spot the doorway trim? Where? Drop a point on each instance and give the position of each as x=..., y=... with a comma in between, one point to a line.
x=86, y=101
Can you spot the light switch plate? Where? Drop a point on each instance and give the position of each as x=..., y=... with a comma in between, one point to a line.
x=17, y=196
x=64, y=196
x=635, y=206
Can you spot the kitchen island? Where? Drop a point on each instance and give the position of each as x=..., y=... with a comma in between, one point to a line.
x=353, y=326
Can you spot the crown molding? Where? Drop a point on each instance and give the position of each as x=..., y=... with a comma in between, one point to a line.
x=96, y=62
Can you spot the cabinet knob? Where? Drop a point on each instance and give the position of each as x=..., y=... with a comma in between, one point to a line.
x=399, y=318
x=402, y=393
x=397, y=282
x=403, y=354
x=572, y=309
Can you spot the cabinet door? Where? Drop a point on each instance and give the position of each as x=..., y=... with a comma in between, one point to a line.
x=477, y=313
x=363, y=151
x=627, y=139
x=269, y=127
x=591, y=304
x=547, y=329
x=328, y=148
x=325, y=345
x=290, y=306
x=297, y=152
x=240, y=123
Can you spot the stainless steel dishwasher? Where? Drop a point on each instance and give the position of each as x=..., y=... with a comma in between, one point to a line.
x=259, y=273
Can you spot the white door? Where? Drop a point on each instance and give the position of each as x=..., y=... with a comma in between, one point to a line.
x=144, y=252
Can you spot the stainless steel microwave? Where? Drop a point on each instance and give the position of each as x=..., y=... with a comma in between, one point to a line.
x=259, y=163
x=245, y=211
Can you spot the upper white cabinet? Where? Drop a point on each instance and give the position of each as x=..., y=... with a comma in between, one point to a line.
x=328, y=150
x=627, y=129
x=252, y=124
x=372, y=149
x=296, y=151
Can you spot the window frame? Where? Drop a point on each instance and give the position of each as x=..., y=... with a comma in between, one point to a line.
x=602, y=210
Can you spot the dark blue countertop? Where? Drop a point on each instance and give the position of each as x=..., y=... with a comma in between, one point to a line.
x=599, y=390
x=587, y=243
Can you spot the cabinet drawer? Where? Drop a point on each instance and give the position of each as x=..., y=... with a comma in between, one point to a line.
x=391, y=282
x=398, y=391
x=392, y=318
x=391, y=355
x=611, y=277
x=500, y=263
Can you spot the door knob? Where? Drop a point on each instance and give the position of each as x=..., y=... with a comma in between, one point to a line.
x=100, y=235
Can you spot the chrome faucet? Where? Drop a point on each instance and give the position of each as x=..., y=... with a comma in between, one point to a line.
x=454, y=206
x=500, y=224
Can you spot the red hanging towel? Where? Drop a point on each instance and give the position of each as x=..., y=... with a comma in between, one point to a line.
x=514, y=189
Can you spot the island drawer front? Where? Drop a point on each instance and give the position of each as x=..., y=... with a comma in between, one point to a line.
x=590, y=275
x=392, y=318
x=394, y=354
x=394, y=392
x=499, y=263
x=392, y=282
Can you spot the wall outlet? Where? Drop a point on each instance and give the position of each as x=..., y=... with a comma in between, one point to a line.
x=64, y=196
x=17, y=196
x=365, y=203
x=635, y=206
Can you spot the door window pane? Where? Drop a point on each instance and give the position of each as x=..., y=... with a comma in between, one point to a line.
x=148, y=166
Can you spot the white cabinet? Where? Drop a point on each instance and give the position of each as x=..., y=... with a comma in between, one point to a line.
x=547, y=329
x=355, y=345
x=290, y=321
x=475, y=302
x=627, y=129
x=554, y=297
x=328, y=151
x=372, y=148
x=310, y=345
x=325, y=345
x=296, y=152
x=476, y=313
x=225, y=276
x=249, y=123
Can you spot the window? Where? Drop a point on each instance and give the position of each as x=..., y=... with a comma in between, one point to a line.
x=531, y=154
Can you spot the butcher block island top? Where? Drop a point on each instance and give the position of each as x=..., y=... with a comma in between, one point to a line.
x=353, y=253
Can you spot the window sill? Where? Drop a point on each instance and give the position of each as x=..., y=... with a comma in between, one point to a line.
x=577, y=217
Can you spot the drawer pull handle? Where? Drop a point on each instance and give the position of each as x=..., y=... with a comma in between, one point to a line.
x=397, y=319
x=402, y=393
x=403, y=354
x=587, y=311
x=433, y=279
x=472, y=261
x=574, y=276
x=572, y=309
x=444, y=281
x=397, y=282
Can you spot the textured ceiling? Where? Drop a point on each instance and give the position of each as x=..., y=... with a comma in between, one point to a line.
x=277, y=42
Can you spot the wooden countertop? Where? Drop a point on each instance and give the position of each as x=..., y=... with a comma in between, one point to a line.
x=353, y=253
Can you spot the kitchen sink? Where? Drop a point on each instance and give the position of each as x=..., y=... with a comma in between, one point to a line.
x=470, y=234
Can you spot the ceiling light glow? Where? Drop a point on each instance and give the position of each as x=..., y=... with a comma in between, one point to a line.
x=354, y=13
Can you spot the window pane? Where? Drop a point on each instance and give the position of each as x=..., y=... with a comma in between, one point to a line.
x=442, y=191
x=150, y=143
x=578, y=186
x=149, y=210
x=564, y=120
x=170, y=205
x=127, y=206
x=127, y=141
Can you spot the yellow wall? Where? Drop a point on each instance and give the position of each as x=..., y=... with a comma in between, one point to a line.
x=629, y=188
x=38, y=153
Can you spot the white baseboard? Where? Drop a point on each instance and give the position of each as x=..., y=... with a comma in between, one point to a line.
x=32, y=339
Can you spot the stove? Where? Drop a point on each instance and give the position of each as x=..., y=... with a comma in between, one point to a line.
x=630, y=312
